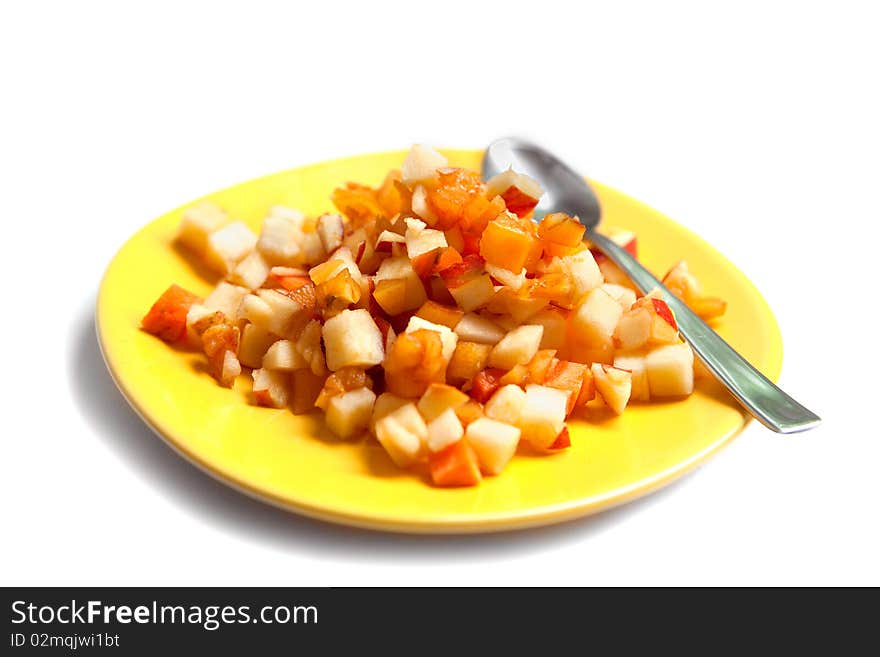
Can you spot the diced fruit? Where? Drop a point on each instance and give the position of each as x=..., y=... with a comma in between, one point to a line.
x=634, y=329
x=506, y=277
x=613, y=384
x=403, y=434
x=474, y=328
x=197, y=223
x=469, y=412
x=306, y=387
x=386, y=403
x=494, y=442
x=506, y=243
x=444, y=430
x=228, y=246
x=661, y=309
x=506, y=404
x=623, y=295
x=670, y=370
x=543, y=415
x=520, y=192
x=438, y=313
x=467, y=360
x=286, y=317
x=614, y=274
x=255, y=341
x=419, y=242
x=563, y=440
x=485, y=383
x=414, y=362
x=518, y=347
x=167, y=317
x=255, y=310
x=456, y=465
x=438, y=398
x=635, y=364
x=519, y=305
x=283, y=356
x=342, y=381
x=338, y=293
x=539, y=366
x=229, y=370
x=459, y=197
x=447, y=337
x=398, y=287
x=330, y=230
x=349, y=414
x=352, y=338
x=562, y=229
x=585, y=273
x=555, y=323
x=591, y=327
x=308, y=344
x=421, y=164
x=270, y=388
x=225, y=298
x=468, y=283
x=280, y=240
x=568, y=377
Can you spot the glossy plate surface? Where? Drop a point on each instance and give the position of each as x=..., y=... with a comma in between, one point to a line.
x=293, y=462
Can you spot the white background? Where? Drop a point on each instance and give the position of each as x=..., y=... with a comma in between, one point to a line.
x=755, y=125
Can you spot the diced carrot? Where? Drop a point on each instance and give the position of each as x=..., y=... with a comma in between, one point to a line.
x=506, y=244
x=456, y=465
x=562, y=441
x=167, y=317
x=485, y=383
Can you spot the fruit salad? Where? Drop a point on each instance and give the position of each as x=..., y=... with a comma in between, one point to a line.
x=432, y=314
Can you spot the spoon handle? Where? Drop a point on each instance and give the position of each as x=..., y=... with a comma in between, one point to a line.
x=763, y=399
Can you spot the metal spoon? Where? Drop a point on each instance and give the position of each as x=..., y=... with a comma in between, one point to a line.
x=566, y=191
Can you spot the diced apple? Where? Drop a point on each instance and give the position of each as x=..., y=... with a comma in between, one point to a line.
x=585, y=273
x=494, y=442
x=251, y=272
x=270, y=388
x=229, y=370
x=423, y=241
x=308, y=344
x=297, y=217
x=352, y=338
x=283, y=356
x=613, y=384
x=591, y=327
x=568, y=377
x=403, y=434
x=633, y=329
x=507, y=277
x=228, y=246
x=255, y=341
x=518, y=347
x=473, y=293
x=225, y=298
x=475, y=328
x=197, y=223
x=543, y=415
x=330, y=229
x=635, y=364
x=398, y=287
x=421, y=163
x=286, y=317
x=349, y=414
x=520, y=306
x=670, y=370
x=385, y=404
x=420, y=205
x=555, y=325
x=623, y=295
x=280, y=240
x=311, y=250
x=520, y=192
x=506, y=404
x=447, y=335
x=437, y=398
x=468, y=359
x=444, y=430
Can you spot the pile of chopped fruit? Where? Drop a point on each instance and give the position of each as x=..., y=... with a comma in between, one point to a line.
x=432, y=313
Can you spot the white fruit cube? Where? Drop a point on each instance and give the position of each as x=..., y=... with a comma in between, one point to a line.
x=596, y=318
x=448, y=337
x=403, y=434
x=255, y=342
x=284, y=315
x=197, y=312
x=420, y=205
x=555, y=326
x=421, y=163
x=255, y=310
x=386, y=403
x=584, y=271
x=494, y=442
x=228, y=246
x=283, y=356
x=229, y=370
x=408, y=291
x=280, y=240
x=506, y=277
x=271, y=388
x=226, y=298
x=473, y=293
x=197, y=223
x=503, y=181
x=349, y=414
x=251, y=272
x=635, y=364
x=670, y=370
x=330, y=229
x=473, y=328
x=352, y=338
x=543, y=415
x=623, y=295
x=613, y=384
x=506, y=404
x=439, y=397
x=518, y=347
x=444, y=430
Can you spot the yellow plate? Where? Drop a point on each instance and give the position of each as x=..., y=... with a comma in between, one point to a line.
x=293, y=462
